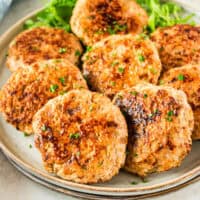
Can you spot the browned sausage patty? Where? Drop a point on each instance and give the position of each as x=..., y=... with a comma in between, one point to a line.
x=119, y=62
x=42, y=43
x=28, y=89
x=93, y=20
x=160, y=125
x=187, y=78
x=178, y=45
x=82, y=137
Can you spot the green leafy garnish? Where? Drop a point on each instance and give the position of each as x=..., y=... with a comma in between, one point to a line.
x=145, y=96
x=121, y=70
x=181, y=77
x=141, y=58
x=43, y=128
x=62, y=80
x=57, y=13
x=74, y=135
x=62, y=50
x=134, y=183
x=77, y=53
x=162, y=13
x=53, y=88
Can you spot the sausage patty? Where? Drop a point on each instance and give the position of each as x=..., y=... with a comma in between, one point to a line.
x=82, y=137
x=160, y=123
x=178, y=45
x=28, y=89
x=42, y=43
x=119, y=62
x=93, y=20
x=187, y=78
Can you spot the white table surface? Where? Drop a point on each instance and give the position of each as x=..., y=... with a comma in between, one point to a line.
x=14, y=185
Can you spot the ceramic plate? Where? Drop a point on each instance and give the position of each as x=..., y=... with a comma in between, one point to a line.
x=17, y=148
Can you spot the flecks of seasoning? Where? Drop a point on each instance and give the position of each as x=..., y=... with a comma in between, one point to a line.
x=135, y=154
x=143, y=36
x=134, y=93
x=169, y=115
x=53, y=88
x=87, y=57
x=26, y=134
x=99, y=32
x=161, y=82
x=141, y=58
x=145, y=96
x=43, y=128
x=181, y=77
x=88, y=48
x=114, y=63
x=161, y=48
x=77, y=53
x=30, y=146
x=78, y=153
x=63, y=92
x=121, y=70
x=153, y=113
x=113, y=83
x=74, y=135
x=152, y=70
x=62, y=80
x=134, y=183
x=62, y=50
x=91, y=108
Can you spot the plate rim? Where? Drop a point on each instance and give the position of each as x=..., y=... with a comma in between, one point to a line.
x=171, y=183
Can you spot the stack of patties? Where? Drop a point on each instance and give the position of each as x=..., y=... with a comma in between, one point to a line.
x=82, y=135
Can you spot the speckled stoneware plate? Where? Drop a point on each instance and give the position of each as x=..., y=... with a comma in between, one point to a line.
x=17, y=148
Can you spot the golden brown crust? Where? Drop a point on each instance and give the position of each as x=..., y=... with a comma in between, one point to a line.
x=93, y=20
x=28, y=89
x=178, y=45
x=160, y=125
x=187, y=78
x=82, y=136
x=119, y=62
x=42, y=43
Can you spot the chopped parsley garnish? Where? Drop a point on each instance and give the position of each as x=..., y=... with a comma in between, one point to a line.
x=134, y=183
x=121, y=70
x=62, y=80
x=181, y=77
x=114, y=63
x=88, y=48
x=113, y=83
x=144, y=180
x=135, y=154
x=115, y=28
x=152, y=70
x=154, y=113
x=145, y=96
x=63, y=92
x=30, y=146
x=26, y=134
x=170, y=114
x=141, y=58
x=134, y=93
x=161, y=82
x=53, y=88
x=74, y=135
x=43, y=128
x=77, y=53
x=62, y=50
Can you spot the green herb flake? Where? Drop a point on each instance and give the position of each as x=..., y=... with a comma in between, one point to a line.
x=112, y=83
x=145, y=96
x=43, y=128
x=153, y=70
x=170, y=113
x=135, y=154
x=134, y=93
x=181, y=77
x=74, y=135
x=26, y=134
x=114, y=63
x=141, y=58
x=62, y=50
x=161, y=82
x=144, y=180
x=53, y=88
x=88, y=48
x=77, y=53
x=121, y=70
x=62, y=80
x=134, y=183
x=63, y=92
x=30, y=146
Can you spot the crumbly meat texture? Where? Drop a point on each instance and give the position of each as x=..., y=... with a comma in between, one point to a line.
x=93, y=20
x=178, y=45
x=119, y=62
x=43, y=43
x=160, y=123
x=28, y=89
x=187, y=78
x=81, y=136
